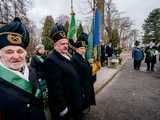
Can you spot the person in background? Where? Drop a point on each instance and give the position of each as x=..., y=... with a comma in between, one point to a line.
x=84, y=71
x=108, y=52
x=95, y=66
x=62, y=80
x=37, y=65
x=151, y=52
x=38, y=59
x=18, y=83
x=158, y=50
x=137, y=55
x=103, y=54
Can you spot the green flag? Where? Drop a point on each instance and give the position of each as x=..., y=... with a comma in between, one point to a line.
x=72, y=27
x=89, y=50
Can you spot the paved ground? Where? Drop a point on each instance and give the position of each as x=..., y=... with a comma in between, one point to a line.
x=105, y=74
x=131, y=95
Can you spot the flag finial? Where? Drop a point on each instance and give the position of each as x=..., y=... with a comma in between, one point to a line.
x=72, y=12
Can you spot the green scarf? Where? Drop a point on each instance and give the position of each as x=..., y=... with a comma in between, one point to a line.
x=15, y=80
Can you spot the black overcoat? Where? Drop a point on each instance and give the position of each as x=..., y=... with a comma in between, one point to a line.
x=63, y=84
x=36, y=63
x=85, y=74
x=17, y=104
x=148, y=58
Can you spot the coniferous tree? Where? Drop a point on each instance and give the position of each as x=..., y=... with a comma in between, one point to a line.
x=151, y=27
x=115, y=38
x=79, y=30
x=48, y=24
x=116, y=42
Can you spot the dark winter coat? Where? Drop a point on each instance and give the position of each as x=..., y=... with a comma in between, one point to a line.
x=109, y=51
x=63, y=84
x=103, y=52
x=37, y=64
x=85, y=73
x=150, y=55
x=17, y=104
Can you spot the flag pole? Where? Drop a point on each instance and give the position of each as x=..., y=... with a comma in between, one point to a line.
x=95, y=64
x=72, y=29
x=94, y=50
x=72, y=12
x=71, y=5
x=94, y=9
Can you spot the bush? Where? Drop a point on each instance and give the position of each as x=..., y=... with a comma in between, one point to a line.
x=118, y=51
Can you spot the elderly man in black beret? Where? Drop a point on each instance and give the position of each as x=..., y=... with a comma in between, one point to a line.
x=84, y=70
x=62, y=79
x=18, y=84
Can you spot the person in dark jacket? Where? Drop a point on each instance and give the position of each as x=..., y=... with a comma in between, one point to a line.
x=18, y=83
x=37, y=65
x=38, y=59
x=84, y=71
x=150, y=59
x=63, y=83
x=103, y=54
x=137, y=55
x=108, y=52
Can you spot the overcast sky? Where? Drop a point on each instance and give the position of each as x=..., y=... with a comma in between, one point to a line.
x=137, y=10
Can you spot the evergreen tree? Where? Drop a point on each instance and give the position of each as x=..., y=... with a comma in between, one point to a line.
x=79, y=30
x=115, y=38
x=48, y=24
x=116, y=42
x=151, y=27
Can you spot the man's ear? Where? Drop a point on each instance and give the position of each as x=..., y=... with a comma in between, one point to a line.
x=55, y=45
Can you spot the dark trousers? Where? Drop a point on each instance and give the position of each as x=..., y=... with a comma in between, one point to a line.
x=137, y=64
x=150, y=65
x=102, y=61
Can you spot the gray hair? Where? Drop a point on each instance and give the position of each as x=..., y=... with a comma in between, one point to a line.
x=39, y=46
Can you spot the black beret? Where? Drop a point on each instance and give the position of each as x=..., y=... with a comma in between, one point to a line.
x=58, y=32
x=79, y=44
x=14, y=33
x=83, y=37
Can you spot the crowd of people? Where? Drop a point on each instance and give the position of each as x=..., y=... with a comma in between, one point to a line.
x=54, y=86
x=149, y=53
